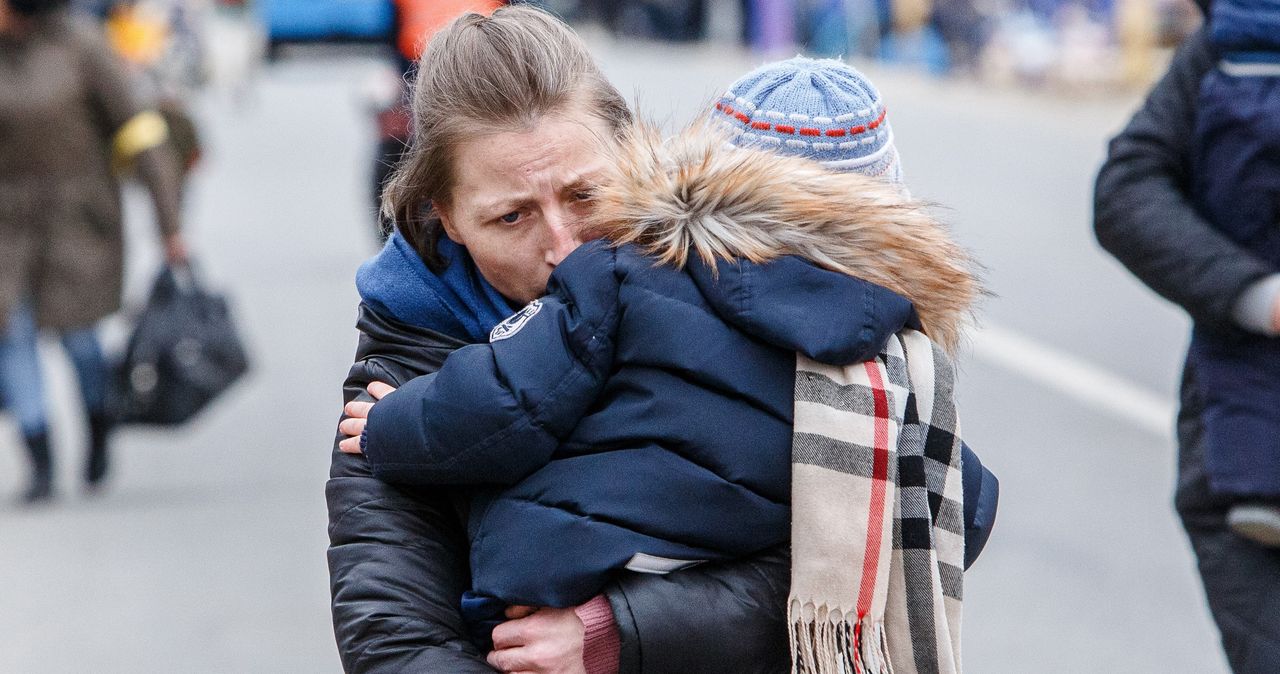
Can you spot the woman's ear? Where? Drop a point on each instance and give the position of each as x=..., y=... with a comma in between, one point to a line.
x=443, y=212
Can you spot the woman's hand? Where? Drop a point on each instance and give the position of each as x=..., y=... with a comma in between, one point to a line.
x=539, y=641
x=358, y=415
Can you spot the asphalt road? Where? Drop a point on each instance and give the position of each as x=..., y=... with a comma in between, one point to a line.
x=207, y=553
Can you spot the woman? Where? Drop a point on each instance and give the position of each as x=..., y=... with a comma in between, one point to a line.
x=398, y=557
x=69, y=120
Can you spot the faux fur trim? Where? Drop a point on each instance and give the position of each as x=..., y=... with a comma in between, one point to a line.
x=696, y=194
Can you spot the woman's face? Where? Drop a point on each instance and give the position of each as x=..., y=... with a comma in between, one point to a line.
x=518, y=198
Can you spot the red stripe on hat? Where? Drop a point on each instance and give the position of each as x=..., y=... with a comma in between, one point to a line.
x=880, y=119
x=763, y=126
x=806, y=131
x=835, y=132
x=742, y=117
x=784, y=129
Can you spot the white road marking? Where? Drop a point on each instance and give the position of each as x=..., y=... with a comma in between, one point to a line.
x=1082, y=381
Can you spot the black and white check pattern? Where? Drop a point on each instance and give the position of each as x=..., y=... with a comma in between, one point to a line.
x=902, y=404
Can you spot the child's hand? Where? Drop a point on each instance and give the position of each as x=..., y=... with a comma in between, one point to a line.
x=358, y=415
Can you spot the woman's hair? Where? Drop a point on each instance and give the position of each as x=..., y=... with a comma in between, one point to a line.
x=483, y=74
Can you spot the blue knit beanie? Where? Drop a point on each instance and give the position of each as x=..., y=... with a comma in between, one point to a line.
x=819, y=109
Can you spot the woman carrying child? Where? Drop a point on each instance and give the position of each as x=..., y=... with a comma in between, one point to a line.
x=640, y=414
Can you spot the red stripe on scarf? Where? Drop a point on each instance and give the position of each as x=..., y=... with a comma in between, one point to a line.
x=879, y=476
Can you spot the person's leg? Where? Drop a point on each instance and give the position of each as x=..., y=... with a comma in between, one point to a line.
x=22, y=386
x=85, y=351
x=1241, y=578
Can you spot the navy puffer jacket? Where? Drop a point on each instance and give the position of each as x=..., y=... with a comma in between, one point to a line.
x=649, y=425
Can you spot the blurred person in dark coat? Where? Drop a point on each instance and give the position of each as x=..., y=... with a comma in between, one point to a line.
x=1145, y=216
x=69, y=123
x=1235, y=181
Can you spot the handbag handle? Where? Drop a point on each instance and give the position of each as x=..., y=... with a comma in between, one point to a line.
x=176, y=280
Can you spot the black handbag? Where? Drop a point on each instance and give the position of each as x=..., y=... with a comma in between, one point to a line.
x=184, y=352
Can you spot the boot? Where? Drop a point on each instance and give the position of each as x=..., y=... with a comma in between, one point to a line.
x=41, y=487
x=97, y=462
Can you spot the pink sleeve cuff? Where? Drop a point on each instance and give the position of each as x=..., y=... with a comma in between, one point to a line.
x=601, y=648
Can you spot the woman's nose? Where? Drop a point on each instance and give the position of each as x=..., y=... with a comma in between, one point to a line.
x=562, y=238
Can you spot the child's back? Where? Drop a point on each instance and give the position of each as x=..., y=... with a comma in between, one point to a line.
x=1235, y=184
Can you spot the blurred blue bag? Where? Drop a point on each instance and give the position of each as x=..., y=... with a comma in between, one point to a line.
x=183, y=353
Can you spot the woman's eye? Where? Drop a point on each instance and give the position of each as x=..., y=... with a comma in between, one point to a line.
x=511, y=218
x=583, y=195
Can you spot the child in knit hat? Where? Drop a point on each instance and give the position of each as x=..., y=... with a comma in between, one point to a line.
x=819, y=109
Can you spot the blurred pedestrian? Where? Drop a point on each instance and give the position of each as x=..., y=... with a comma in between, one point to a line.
x=1235, y=184
x=71, y=123
x=415, y=22
x=965, y=29
x=1147, y=216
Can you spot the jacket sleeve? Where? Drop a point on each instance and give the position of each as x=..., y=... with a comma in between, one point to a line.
x=134, y=133
x=496, y=412
x=397, y=566
x=981, y=498
x=727, y=618
x=1142, y=214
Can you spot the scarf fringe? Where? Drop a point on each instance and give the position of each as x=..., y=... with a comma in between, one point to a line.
x=827, y=642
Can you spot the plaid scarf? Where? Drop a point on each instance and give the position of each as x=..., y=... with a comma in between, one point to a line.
x=877, y=515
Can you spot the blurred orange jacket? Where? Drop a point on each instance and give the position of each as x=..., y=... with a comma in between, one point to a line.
x=420, y=19
x=138, y=33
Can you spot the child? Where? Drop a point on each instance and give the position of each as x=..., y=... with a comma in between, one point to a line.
x=639, y=416
x=1236, y=187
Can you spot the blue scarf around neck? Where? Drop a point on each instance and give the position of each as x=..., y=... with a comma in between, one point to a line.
x=457, y=301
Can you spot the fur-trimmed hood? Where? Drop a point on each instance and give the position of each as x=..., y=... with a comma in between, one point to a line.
x=696, y=195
